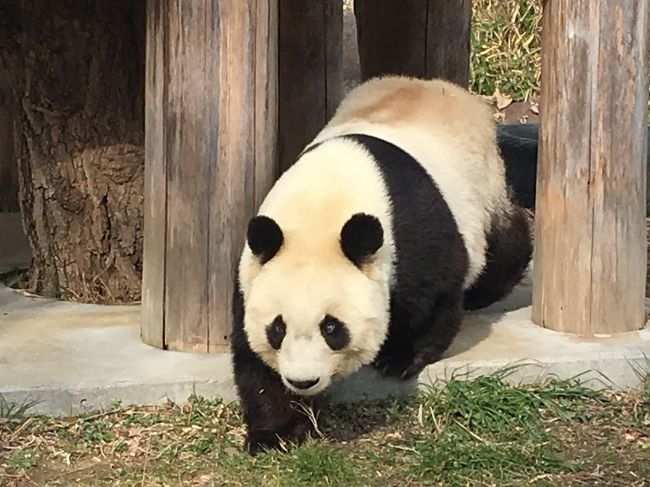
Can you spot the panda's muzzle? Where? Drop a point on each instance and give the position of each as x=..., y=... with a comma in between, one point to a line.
x=303, y=384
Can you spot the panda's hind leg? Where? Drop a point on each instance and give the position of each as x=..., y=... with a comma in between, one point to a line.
x=508, y=255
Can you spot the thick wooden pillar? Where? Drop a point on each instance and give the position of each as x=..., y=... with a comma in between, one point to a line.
x=422, y=38
x=210, y=140
x=310, y=71
x=590, y=252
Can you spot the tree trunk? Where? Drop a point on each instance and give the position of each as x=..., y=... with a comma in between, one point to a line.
x=76, y=72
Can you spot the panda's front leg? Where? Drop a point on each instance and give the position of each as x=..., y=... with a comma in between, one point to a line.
x=420, y=339
x=269, y=410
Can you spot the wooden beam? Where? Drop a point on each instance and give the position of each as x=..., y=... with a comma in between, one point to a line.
x=209, y=153
x=310, y=71
x=590, y=251
x=421, y=38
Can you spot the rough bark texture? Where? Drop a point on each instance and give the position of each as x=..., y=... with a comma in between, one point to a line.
x=76, y=72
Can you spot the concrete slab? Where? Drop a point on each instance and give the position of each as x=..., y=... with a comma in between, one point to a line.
x=74, y=357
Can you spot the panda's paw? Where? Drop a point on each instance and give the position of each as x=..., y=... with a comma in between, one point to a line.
x=263, y=439
x=258, y=441
x=416, y=367
x=395, y=366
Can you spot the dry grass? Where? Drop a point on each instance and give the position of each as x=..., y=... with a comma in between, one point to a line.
x=506, y=47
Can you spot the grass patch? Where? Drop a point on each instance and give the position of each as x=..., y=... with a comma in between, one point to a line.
x=645, y=393
x=316, y=464
x=478, y=432
x=489, y=432
x=13, y=411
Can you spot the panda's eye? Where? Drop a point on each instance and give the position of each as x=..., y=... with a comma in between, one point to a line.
x=330, y=327
x=335, y=333
x=275, y=332
x=278, y=327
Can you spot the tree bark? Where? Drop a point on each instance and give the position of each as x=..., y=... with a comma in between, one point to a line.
x=76, y=72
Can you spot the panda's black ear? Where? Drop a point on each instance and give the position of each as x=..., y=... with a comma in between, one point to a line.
x=264, y=237
x=361, y=236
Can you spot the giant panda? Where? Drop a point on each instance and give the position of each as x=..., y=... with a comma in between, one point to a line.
x=391, y=222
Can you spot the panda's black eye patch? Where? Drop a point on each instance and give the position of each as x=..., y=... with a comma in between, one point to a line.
x=335, y=333
x=275, y=332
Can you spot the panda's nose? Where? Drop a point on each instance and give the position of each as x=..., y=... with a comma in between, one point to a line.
x=303, y=384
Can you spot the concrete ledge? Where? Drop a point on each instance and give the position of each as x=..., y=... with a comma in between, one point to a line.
x=74, y=357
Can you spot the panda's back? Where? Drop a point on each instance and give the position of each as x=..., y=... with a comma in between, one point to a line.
x=423, y=251
x=449, y=132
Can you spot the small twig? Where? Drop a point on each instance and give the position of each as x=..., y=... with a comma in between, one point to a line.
x=309, y=412
x=540, y=477
x=472, y=434
x=160, y=454
x=435, y=421
x=404, y=448
x=20, y=429
x=146, y=461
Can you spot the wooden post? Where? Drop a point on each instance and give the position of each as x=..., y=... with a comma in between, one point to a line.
x=590, y=252
x=310, y=71
x=210, y=120
x=421, y=38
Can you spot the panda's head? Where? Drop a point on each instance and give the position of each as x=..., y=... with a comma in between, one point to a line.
x=316, y=309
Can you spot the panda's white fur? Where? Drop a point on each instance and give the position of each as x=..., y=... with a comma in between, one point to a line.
x=451, y=134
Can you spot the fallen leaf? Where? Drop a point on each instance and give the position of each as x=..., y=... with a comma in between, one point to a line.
x=502, y=99
x=203, y=479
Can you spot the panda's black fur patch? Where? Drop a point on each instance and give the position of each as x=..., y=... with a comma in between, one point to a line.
x=335, y=333
x=509, y=249
x=275, y=332
x=264, y=237
x=361, y=237
x=430, y=266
